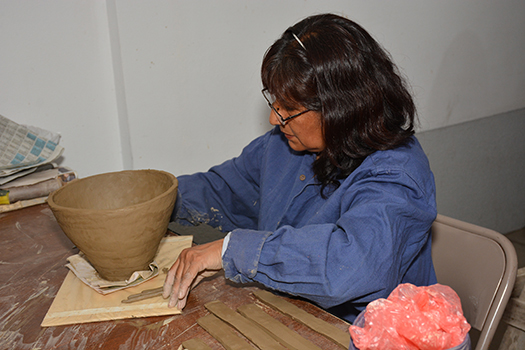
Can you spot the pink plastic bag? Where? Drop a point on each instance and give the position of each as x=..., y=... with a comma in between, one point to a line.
x=412, y=318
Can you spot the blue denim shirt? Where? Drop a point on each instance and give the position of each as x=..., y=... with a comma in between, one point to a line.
x=340, y=252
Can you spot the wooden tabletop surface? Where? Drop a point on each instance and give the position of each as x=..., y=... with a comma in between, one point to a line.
x=33, y=253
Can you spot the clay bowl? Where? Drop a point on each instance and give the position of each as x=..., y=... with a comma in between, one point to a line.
x=116, y=219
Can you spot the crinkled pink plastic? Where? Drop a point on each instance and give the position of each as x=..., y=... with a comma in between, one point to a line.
x=426, y=318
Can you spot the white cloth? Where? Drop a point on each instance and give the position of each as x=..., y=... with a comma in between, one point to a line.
x=87, y=274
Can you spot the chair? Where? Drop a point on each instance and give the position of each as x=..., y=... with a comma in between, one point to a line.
x=480, y=265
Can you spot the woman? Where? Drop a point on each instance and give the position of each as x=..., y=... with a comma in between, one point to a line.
x=335, y=203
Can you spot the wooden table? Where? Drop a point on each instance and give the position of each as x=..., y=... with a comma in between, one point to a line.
x=33, y=252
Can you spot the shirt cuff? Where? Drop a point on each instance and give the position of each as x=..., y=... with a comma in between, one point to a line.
x=241, y=259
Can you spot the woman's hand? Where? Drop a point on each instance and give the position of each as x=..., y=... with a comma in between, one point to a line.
x=191, y=267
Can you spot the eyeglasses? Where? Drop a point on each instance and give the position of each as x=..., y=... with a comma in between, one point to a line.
x=271, y=100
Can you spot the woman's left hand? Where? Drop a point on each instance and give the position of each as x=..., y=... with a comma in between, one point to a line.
x=191, y=267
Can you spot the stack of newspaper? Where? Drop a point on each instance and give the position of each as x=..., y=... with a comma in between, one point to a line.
x=27, y=169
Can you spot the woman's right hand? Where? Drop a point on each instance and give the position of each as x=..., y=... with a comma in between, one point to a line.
x=192, y=265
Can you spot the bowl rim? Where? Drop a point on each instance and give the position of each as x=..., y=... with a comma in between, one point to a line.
x=53, y=205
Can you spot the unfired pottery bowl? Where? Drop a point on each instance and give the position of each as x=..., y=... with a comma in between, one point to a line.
x=117, y=219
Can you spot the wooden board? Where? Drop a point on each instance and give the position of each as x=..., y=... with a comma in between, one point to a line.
x=76, y=302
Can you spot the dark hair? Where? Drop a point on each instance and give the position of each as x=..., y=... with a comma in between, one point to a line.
x=344, y=74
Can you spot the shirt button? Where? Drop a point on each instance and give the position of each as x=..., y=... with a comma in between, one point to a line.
x=302, y=177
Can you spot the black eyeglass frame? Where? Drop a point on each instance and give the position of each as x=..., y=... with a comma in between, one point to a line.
x=281, y=119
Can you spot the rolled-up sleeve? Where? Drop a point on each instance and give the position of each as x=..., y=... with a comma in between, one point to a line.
x=226, y=196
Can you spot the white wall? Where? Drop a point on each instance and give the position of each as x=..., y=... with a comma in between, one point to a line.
x=56, y=73
x=174, y=85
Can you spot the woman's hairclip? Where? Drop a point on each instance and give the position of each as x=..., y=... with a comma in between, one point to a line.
x=299, y=41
